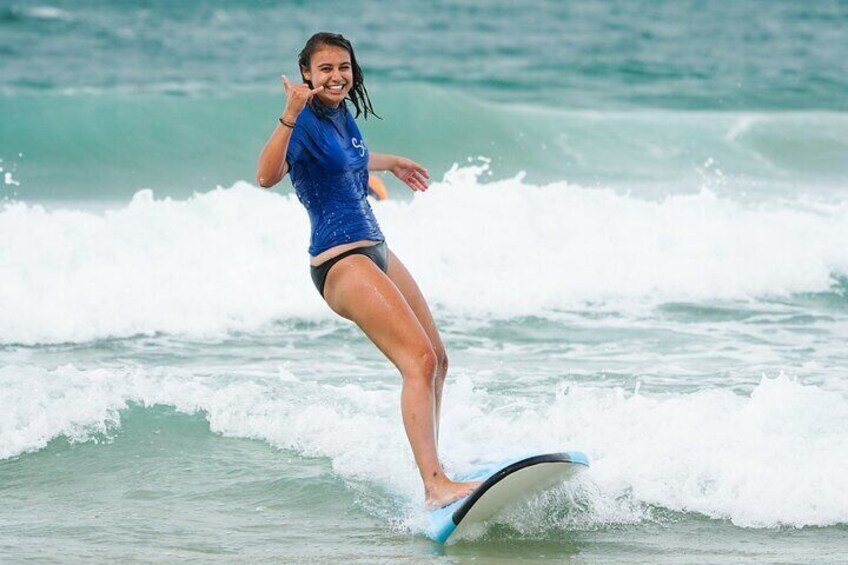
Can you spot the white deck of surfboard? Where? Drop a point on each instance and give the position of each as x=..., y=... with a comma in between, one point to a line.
x=505, y=484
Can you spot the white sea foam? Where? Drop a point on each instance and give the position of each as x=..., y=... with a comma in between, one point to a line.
x=741, y=126
x=48, y=13
x=236, y=258
x=775, y=456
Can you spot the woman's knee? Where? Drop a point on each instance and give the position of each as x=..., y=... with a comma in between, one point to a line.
x=423, y=364
x=441, y=365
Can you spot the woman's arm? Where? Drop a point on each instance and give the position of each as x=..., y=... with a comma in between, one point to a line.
x=272, y=165
x=414, y=175
x=380, y=161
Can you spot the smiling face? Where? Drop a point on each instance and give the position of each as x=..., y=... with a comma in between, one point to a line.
x=330, y=67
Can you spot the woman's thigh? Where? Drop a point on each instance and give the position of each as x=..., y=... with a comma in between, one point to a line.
x=415, y=298
x=358, y=290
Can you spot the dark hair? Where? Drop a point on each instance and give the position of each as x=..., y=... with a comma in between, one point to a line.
x=357, y=94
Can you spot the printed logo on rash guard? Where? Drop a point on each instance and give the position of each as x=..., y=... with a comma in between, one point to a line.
x=360, y=144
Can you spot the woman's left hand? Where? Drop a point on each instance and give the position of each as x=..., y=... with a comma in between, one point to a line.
x=414, y=175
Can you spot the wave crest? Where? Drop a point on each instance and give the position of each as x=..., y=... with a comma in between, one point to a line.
x=235, y=259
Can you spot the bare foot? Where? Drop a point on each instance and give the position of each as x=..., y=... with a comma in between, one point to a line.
x=438, y=495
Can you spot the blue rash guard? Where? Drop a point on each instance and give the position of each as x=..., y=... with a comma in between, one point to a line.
x=328, y=163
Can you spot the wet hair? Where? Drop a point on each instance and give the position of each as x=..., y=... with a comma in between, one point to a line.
x=357, y=94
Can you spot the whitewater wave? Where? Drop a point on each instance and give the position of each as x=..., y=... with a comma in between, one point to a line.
x=235, y=259
x=773, y=456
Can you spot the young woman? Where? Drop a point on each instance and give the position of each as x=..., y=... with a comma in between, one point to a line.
x=318, y=143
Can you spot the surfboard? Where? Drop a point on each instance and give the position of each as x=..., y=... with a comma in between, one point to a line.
x=505, y=483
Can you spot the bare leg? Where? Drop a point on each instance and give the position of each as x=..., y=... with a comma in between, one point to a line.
x=415, y=298
x=359, y=291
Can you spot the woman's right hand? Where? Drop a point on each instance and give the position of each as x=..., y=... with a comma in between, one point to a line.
x=297, y=97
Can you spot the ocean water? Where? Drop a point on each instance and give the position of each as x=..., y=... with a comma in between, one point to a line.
x=634, y=245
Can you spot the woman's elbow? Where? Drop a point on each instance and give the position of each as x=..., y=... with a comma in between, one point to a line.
x=263, y=182
x=267, y=181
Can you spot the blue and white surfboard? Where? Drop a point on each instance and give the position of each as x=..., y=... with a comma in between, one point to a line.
x=504, y=483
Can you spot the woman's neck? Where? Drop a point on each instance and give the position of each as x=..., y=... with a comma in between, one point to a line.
x=326, y=107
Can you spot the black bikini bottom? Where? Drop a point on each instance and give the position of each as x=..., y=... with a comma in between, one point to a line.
x=378, y=253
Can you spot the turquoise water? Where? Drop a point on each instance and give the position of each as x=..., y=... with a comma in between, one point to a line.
x=633, y=244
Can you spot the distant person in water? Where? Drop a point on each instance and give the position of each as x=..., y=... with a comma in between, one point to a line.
x=318, y=142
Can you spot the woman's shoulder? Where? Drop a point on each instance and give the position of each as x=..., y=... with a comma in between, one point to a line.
x=307, y=117
x=307, y=128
